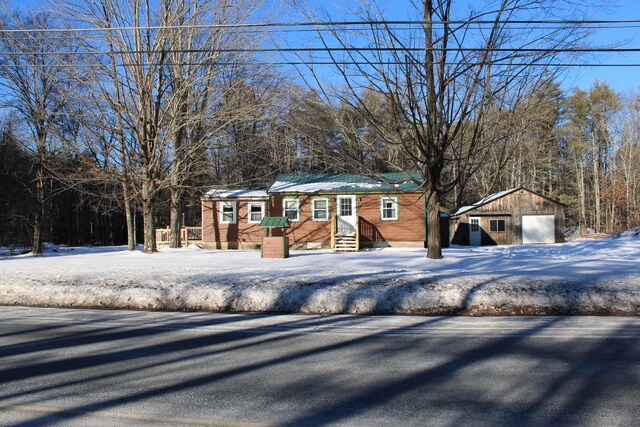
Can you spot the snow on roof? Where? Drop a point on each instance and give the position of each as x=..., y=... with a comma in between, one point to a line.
x=313, y=187
x=489, y=198
x=308, y=183
x=245, y=193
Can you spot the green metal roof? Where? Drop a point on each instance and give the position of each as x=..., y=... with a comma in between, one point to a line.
x=275, y=222
x=358, y=183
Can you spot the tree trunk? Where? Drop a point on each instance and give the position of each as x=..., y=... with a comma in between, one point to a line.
x=148, y=212
x=434, y=246
x=177, y=177
x=581, y=191
x=627, y=200
x=36, y=245
x=131, y=228
x=596, y=181
x=175, y=219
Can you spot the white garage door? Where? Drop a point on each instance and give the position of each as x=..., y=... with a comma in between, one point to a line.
x=538, y=229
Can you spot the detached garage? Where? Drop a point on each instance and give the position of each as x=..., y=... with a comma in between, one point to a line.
x=511, y=217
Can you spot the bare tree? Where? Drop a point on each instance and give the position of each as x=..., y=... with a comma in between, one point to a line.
x=36, y=88
x=159, y=82
x=449, y=83
x=133, y=35
x=628, y=154
x=197, y=61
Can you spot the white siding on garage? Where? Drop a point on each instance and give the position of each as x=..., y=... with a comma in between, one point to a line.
x=538, y=229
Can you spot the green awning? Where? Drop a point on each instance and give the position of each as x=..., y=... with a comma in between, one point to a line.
x=275, y=222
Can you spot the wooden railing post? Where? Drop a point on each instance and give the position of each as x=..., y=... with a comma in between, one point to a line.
x=357, y=233
x=333, y=232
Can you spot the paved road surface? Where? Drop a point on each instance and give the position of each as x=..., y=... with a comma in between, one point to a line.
x=90, y=367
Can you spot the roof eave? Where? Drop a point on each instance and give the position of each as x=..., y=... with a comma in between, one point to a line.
x=457, y=215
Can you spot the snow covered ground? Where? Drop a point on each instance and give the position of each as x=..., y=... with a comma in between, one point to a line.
x=581, y=277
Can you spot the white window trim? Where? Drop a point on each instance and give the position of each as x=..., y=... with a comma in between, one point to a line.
x=313, y=209
x=395, y=201
x=235, y=211
x=261, y=204
x=284, y=213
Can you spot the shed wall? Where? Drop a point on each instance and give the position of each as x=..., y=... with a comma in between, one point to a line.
x=511, y=208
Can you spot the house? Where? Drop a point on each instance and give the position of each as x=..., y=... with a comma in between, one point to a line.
x=231, y=218
x=350, y=211
x=512, y=217
x=343, y=212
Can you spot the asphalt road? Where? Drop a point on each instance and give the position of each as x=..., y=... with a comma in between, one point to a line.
x=94, y=368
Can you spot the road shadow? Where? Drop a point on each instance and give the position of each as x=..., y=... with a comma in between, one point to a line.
x=518, y=377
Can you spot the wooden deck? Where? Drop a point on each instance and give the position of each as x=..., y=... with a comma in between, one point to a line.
x=188, y=235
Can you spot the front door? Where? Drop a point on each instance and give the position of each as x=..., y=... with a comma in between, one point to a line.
x=475, y=233
x=346, y=214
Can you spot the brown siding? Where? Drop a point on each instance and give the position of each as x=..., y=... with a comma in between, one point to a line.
x=305, y=229
x=241, y=231
x=497, y=237
x=510, y=207
x=275, y=247
x=408, y=227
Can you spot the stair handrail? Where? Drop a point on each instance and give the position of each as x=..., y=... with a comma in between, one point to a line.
x=334, y=220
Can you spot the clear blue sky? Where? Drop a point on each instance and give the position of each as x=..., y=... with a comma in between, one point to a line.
x=624, y=36
x=619, y=78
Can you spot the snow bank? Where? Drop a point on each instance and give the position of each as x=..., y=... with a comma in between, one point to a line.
x=634, y=233
x=583, y=277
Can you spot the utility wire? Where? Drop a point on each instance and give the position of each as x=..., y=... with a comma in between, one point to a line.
x=323, y=24
x=308, y=63
x=328, y=49
x=66, y=36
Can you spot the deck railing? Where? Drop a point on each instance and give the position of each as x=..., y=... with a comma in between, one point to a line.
x=187, y=234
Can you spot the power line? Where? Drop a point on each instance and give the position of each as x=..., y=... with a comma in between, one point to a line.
x=327, y=49
x=311, y=63
x=322, y=24
x=66, y=36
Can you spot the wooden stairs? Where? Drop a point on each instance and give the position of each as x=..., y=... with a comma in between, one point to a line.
x=345, y=242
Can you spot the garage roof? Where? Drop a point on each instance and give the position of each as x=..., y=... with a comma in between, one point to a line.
x=495, y=196
x=484, y=201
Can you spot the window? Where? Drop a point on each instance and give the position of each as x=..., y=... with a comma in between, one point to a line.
x=475, y=224
x=389, y=208
x=498, y=225
x=256, y=212
x=291, y=209
x=320, y=209
x=228, y=212
x=346, y=206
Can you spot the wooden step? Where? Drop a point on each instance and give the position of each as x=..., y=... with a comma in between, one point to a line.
x=345, y=243
x=345, y=246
